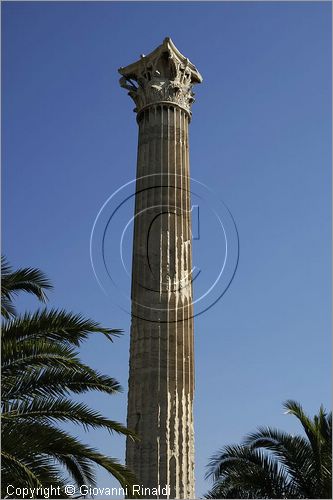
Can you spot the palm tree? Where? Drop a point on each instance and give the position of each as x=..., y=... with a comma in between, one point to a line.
x=40, y=371
x=274, y=464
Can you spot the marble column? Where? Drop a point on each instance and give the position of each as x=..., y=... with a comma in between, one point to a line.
x=161, y=378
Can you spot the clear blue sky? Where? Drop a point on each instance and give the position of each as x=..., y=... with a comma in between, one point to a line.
x=260, y=137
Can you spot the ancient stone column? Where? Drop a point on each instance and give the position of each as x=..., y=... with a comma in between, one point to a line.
x=161, y=378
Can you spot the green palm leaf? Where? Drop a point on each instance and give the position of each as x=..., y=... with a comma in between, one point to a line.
x=55, y=325
x=274, y=464
x=57, y=380
x=62, y=410
x=41, y=369
x=27, y=279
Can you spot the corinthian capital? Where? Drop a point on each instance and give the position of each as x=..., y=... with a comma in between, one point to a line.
x=163, y=76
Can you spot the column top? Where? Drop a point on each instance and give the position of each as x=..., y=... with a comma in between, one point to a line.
x=163, y=76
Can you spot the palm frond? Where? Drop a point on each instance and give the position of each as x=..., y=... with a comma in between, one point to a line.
x=274, y=464
x=38, y=436
x=41, y=370
x=251, y=470
x=55, y=325
x=294, y=452
x=28, y=279
x=57, y=380
x=62, y=410
x=7, y=308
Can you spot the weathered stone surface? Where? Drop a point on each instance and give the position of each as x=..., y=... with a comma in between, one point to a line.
x=161, y=379
x=164, y=76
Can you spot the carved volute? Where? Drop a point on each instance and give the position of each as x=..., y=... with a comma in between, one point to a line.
x=164, y=76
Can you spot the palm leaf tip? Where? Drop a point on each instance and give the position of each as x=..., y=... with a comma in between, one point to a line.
x=30, y=280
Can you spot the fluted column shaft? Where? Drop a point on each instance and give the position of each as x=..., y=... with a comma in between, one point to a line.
x=161, y=380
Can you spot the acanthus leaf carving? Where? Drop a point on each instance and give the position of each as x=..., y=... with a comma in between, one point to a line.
x=164, y=76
